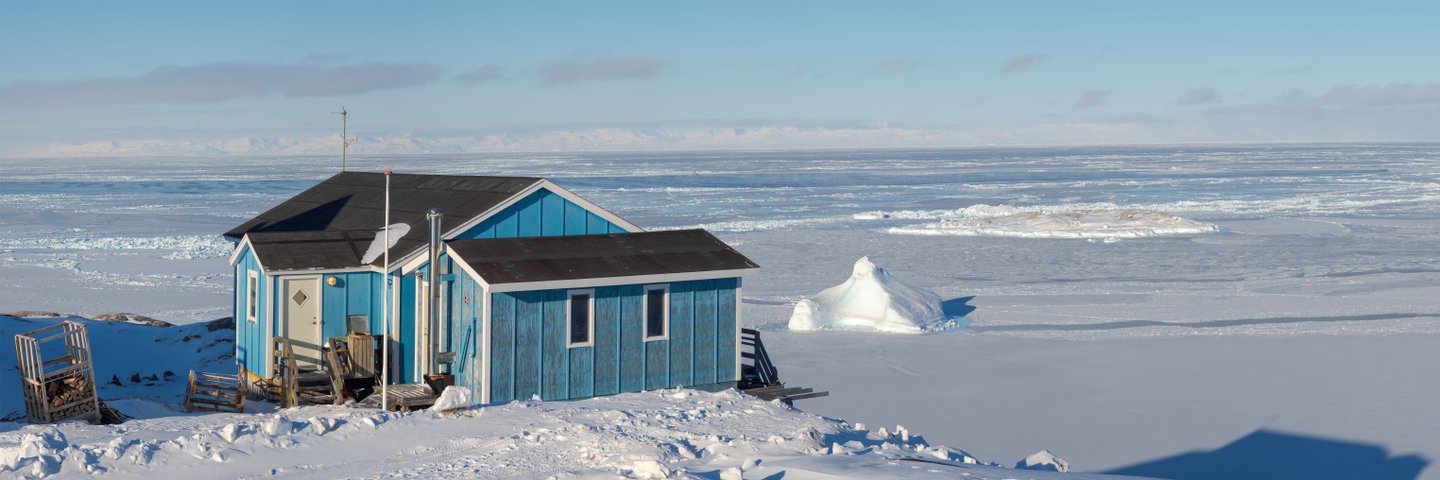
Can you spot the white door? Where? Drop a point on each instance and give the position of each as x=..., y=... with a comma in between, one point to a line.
x=302, y=320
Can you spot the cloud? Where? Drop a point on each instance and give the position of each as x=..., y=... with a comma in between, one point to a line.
x=599, y=69
x=1292, y=70
x=707, y=136
x=1092, y=98
x=485, y=74
x=1134, y=118
x=894, y=66
x=219, y=82
x=1343, y=100
x=1395, y=94
x=1199, y=96
x=1021, y=63
x=805, y=72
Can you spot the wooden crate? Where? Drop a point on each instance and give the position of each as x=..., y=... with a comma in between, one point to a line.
x=56, y=374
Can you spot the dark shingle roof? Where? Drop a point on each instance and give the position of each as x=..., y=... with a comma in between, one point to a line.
x=300, y=250
x=539, y=259
x=350, y=206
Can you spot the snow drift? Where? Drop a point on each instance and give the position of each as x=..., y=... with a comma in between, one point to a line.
x=872, y=300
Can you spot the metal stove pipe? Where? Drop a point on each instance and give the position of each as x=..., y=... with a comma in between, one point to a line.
x=433, y=303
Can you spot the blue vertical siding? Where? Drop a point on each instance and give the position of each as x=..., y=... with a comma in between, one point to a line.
x=575, y=223
x=402, y=349
x=606, y=359
x=542, y=213
x=502, y=347
x=527, y=215
x=682, y=334
x=705, y=333
x=528, y=346
x=632, y=338
x=463, y=309
x=554, y=383
x=726, y=322
x=552, y=216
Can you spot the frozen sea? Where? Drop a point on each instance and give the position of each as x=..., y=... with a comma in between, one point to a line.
x=1132, y=309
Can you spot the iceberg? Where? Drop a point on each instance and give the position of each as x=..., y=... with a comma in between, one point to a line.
x=872, y=300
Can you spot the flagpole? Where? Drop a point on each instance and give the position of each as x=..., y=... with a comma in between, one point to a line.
x=385, y=349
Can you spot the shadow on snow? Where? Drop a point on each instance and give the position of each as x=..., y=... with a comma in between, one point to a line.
x=1269, y=455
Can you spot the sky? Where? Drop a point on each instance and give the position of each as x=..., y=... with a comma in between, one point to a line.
x=257, y=77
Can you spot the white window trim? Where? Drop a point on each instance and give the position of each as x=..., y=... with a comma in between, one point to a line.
x=665, y=313
x=590, y=336
x=252, y=296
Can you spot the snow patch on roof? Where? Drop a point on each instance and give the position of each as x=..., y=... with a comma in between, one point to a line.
x=378, y=247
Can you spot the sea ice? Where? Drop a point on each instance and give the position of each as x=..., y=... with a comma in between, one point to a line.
x=1009, y=221
x=1044, y=461
x=871, y=299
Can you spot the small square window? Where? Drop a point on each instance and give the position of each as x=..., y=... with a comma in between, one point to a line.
x=580, y=309
x=657, y=312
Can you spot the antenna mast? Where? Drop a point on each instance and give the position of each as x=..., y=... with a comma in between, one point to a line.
x=345, y=139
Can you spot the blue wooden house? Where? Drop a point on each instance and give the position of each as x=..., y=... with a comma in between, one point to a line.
x=535, y=291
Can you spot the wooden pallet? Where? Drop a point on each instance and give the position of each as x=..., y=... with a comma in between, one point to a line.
x=214, y=392
x=409, y=396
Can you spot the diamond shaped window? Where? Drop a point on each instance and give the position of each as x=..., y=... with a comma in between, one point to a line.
x=299, y=297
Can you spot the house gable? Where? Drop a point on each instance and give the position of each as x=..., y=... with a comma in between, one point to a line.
x=546, y=213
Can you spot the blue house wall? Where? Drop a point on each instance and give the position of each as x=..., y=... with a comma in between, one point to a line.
x=529, y=355
x=251, y=337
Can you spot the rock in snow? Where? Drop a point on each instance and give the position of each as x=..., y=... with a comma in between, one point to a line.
x=1044, y=461
x=872, y=300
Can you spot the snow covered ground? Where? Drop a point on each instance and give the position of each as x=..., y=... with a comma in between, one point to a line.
x=1290, y=324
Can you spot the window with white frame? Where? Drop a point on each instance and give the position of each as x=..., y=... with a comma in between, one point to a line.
x=580, y=315
x=252, y=296
x=657, y=312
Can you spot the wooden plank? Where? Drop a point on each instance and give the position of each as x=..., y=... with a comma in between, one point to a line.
x=607, y=343
x=705, y=333
x=632, y=340
x=725, y=320
x=528, y=216
x=502, y=348
x=552, y=214
x=804, y=396
x=507, y=225
x=582, y=372
x=554, y=363
x=574, y=219
x=595, y=224
x=657, y=364
x=682, y=336
x=486, y=229
x=528, y=347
